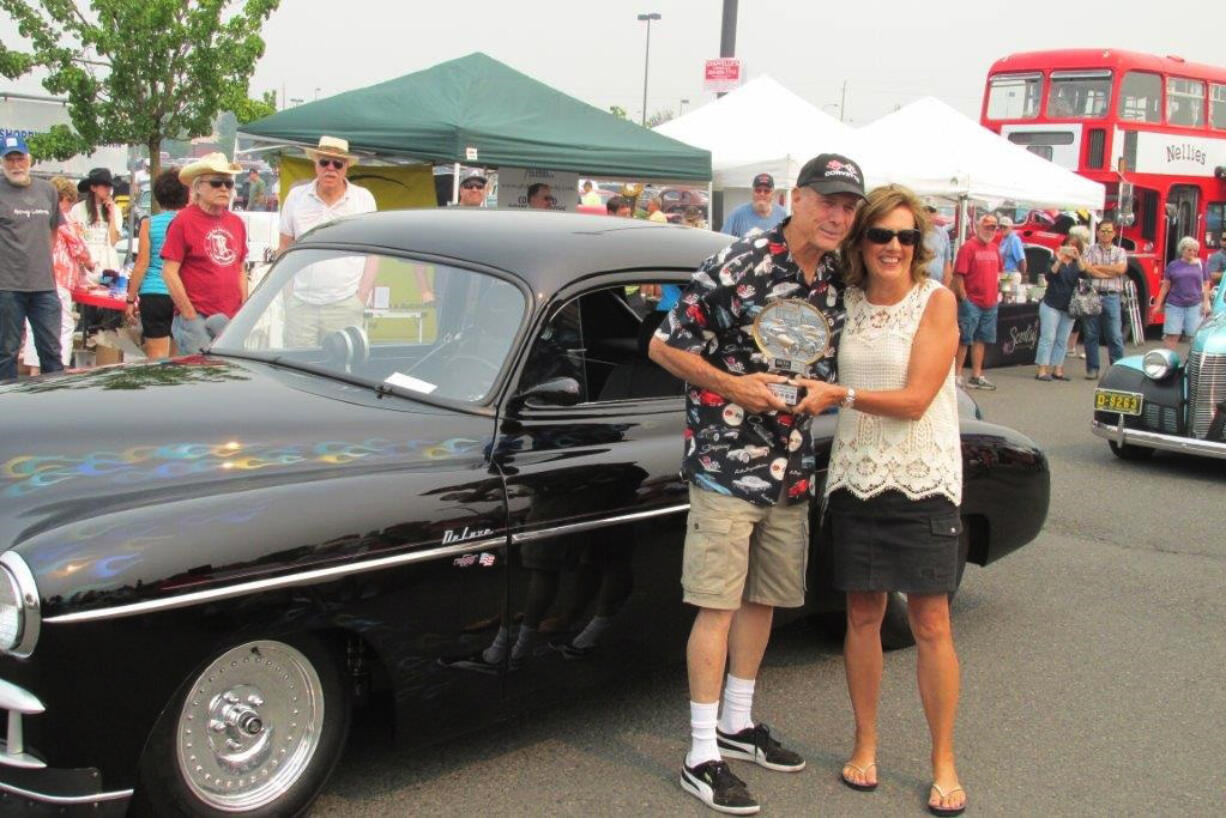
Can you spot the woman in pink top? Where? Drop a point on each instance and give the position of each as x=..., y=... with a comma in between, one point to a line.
x=68, y=255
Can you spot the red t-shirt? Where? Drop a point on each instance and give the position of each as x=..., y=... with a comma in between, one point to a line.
x=979, y=265
x=210, y=251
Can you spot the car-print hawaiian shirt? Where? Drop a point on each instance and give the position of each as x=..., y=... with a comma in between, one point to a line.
x=728, y=450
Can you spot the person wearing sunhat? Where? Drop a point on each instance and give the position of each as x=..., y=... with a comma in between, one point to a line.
x=29, y=219
x=99, y=217
x=203, y=255
x=327, y=295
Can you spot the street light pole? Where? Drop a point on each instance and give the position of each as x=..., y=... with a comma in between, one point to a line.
x=647, y=60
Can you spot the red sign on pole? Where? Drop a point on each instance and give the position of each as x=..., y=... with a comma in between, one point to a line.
x=722, y=75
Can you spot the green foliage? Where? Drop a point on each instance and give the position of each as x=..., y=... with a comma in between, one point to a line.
x=659, y=118
x=58, y=143
x=617, y=111
x=138, y=71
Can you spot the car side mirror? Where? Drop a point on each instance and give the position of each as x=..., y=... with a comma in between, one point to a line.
x=553, y=392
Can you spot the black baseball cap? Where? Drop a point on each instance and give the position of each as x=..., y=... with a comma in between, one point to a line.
x=764, y=180
x=830, y=173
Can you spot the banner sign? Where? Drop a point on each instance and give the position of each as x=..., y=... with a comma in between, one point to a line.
x=559, y=191
x=721, y=75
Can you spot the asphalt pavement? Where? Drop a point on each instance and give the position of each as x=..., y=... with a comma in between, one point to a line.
x=1093, y=676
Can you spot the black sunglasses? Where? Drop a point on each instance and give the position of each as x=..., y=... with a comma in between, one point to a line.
x=473, y=185
x=335, y=163
x=220, y=183
x=879, y=235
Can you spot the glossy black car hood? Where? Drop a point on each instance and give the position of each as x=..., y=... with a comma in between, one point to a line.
x=76, y=445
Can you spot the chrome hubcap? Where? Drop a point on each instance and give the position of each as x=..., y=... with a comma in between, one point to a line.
x=250, y=725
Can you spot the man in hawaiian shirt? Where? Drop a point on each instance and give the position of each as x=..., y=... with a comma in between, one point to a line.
x=750, y=463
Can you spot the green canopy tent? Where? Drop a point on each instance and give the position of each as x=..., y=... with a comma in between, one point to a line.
x=479, y=111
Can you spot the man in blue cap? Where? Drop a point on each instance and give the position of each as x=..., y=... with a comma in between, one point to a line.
x=29, y=217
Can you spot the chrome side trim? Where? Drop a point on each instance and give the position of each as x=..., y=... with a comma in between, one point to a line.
x=273, y=583
x=31, y=610
x=588, y=525
x=66, y=800
x=1120, y=435
x=338, y=571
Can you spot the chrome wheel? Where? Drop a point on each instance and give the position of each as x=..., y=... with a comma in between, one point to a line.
x=249, y=726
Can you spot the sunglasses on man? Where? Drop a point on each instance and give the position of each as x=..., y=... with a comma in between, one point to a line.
x=220, y=183
x=336, y=164
x=879, y=235
x=473, y=185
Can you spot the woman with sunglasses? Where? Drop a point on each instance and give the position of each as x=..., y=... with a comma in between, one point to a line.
x=895, y=477
x=203, y=254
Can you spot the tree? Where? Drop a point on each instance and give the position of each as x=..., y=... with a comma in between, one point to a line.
x=138, y=71
x=659, y=118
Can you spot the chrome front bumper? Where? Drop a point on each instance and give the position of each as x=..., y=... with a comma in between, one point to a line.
x=29, y=787
x=1119, y=434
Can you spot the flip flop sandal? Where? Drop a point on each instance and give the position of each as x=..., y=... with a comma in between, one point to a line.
x=1042, y=377
x=862, y=771
x=947, y=811
x=1060, y=377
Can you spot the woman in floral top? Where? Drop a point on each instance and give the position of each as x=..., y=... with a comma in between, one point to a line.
x=68, y=255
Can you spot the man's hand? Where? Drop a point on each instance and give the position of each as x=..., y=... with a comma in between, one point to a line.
x=751, y=393
x=819, y=396
x=195, y=335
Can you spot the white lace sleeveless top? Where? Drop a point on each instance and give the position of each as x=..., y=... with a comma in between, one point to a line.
x=872, y=454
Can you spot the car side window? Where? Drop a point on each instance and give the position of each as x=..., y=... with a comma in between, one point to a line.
x=600, y=338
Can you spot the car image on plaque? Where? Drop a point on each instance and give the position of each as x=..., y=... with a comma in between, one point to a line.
x=412, y=502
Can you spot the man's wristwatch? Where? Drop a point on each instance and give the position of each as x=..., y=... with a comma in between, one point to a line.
x=849, y=400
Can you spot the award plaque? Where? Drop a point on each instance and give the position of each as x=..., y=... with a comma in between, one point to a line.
x=792, y=334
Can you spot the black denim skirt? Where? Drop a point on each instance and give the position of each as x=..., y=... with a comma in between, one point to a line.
x=893, y=543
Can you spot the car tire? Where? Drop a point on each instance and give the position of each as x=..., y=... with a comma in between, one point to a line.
x=1125, y=451
x=277, y=715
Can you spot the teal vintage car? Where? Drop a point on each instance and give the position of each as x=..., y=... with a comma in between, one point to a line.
x=1156, y=401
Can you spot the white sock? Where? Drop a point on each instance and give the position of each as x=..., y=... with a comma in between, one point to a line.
x=738, y=702
x=498, y=648
x=590, y=635
x=702, y=734
x=524, y=642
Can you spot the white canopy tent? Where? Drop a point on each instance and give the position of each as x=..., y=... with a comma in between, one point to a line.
x=760, y=127
x=935, y=150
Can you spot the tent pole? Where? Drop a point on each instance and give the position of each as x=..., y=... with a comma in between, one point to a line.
x=455, y=184
x=960, y=224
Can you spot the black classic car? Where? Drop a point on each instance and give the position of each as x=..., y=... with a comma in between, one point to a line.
x=208, y=562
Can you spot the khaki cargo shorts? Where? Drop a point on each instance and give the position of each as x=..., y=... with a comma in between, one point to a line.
x=736, y=551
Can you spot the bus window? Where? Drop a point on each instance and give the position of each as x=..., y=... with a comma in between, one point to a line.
x=1185, y=102
x=1014, y=96
x=1146, y=207
x=1217, y=106
x=1215, y=221
x=1140, y=97
x=1079, y=94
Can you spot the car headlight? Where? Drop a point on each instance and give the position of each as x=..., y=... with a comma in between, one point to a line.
x=19, y=606
x=1159, y=363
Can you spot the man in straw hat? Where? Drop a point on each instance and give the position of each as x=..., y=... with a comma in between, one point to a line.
x=203, y=255
x=327, y=295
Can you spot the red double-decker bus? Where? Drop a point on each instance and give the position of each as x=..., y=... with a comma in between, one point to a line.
x=1151, y=129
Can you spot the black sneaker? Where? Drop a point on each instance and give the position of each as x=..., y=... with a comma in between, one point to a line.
x=570, y=651
x=755, y=744
x=712, y=783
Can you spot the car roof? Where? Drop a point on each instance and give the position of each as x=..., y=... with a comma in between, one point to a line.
x=546, y=249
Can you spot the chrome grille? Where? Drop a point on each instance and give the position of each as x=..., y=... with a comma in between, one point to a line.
x=1206, y=389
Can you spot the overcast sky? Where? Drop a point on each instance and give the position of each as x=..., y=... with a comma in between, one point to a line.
x=887, y=53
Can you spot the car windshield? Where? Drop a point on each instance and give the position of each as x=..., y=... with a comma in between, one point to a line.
x=429, y=328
